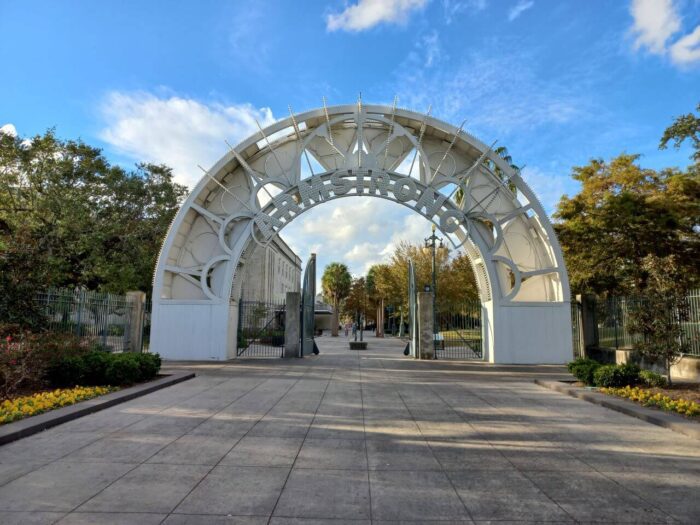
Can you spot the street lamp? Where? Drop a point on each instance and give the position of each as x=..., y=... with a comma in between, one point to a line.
x=430, y=242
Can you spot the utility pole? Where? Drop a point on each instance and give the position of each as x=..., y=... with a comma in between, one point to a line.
x=431, y=242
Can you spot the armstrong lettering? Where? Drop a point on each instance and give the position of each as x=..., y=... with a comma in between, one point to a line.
x=328, y=186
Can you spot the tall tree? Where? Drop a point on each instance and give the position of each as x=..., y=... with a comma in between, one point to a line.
x=335, y=282
x=684, y=127
x=623, y=214
x=78, y=219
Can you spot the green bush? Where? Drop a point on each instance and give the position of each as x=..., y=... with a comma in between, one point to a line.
x=616, y=375
x=96, y=368
x=123, y=369
x=653, y=379
x=66, y=372
x=149, y=365
x=102, y=368
x=583, y=369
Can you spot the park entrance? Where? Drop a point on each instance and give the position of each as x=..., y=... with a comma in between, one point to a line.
x=475, y=198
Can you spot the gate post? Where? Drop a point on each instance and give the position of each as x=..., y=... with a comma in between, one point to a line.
x=138, y=301
x=292, y=323
x=426, y=337
x=589, y=326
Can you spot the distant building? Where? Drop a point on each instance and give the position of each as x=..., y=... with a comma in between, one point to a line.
x=271, y=272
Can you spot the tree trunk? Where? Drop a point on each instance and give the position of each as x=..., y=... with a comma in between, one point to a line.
x=334, y=320
x=401, y=323
x=668, y=371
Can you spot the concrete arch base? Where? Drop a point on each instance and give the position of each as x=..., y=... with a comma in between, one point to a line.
x=527, y=333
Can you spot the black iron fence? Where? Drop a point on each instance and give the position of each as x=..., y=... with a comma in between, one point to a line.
x=104, y=319
x=458, y=331
x=609, y=320
x=261, y=329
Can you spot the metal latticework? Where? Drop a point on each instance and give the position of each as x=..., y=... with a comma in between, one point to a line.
x=308, y=304
x=458, y=331
x=261, y=329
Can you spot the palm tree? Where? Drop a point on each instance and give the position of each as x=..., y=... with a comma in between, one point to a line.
x=336, y=286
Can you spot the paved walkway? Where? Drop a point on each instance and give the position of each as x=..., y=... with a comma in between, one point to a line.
x=367, y=436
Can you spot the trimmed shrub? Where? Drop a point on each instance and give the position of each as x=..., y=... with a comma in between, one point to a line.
x=96, y=363
x=102, y=368
x=653, y=379
x=123, y=369
x=66, y=372
x=149, y=365
x=616, y=375
x=583, y=369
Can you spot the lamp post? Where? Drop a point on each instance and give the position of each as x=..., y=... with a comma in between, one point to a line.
x=430, y=242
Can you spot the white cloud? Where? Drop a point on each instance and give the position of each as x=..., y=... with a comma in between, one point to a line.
x=357, y=231
x=687, y=49
x=519, y=8
x=366, y=14
x=9, y=129
x=655, y=21
x=176, y=131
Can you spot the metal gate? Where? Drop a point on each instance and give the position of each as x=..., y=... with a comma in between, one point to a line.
x=308, y=307
x=458, y=331
x=412, y=311
x=260, y=329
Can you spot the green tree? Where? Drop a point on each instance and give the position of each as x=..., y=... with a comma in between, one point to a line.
x=659, y=316
x=623, y=214
x=357, y=300
x=78, y=219
x=684, y=127
x=335, y=282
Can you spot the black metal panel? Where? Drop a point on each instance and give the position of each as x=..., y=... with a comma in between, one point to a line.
x=308, y=306
x=458, y=332
x=260, y=329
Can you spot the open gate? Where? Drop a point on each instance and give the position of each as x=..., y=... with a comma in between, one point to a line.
x=308, y=309
x=458, y=331
x=412, y=347
x=260, y=329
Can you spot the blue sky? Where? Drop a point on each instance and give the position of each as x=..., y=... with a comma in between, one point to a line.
x=557, y=82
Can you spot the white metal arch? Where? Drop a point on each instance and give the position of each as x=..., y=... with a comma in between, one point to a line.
x=363, y=150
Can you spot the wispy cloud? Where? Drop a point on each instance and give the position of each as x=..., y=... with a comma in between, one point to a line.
x=366, y=14
x=452, y=8
x=180, y=132
x=519, y=8
x=655, y=22
x=497, y=89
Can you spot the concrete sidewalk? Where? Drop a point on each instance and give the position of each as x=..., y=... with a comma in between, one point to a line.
x=353, y=437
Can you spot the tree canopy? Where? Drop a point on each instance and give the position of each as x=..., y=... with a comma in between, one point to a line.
x=70, y=218
x=625, y=213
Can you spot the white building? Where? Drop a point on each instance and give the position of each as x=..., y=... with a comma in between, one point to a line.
x=271, y=272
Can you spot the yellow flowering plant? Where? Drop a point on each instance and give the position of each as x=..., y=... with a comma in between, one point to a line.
x=25, y=406
x=650, y=398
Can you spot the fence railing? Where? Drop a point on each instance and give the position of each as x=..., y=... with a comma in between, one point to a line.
x=104, y=319
x=261, y=329
x=610, y=323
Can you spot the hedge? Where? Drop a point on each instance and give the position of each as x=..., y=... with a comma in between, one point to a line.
x=102, y=368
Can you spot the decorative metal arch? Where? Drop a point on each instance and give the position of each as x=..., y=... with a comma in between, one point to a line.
x=269, y=179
